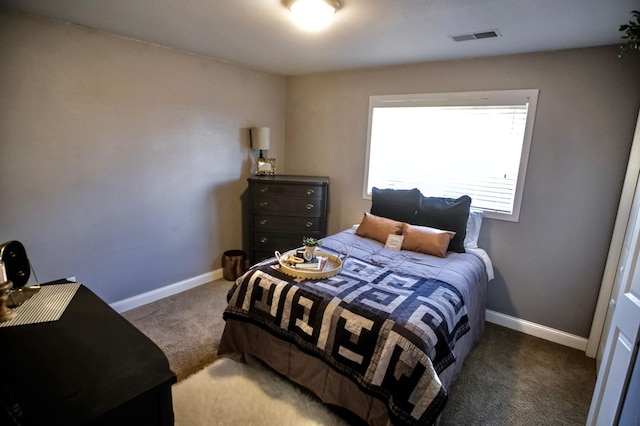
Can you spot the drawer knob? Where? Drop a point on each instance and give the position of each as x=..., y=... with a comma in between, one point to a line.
x=310, y=191
x=264, y=189
x=264, y=203
x=309, y=206
x=308, y=224
x=264, y=240
x=263, y=221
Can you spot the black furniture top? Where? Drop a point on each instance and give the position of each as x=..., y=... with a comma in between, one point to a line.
x=90, y=367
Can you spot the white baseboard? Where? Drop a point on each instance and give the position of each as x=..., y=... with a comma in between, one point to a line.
x=537, y=330
x=166, y=291
x=494, y=317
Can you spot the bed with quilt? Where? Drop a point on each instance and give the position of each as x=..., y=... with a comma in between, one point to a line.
x=387, y=336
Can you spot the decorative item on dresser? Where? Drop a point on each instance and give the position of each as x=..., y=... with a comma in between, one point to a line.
x=261, y=140
x=284, y=209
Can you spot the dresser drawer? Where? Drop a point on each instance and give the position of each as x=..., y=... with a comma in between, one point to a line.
x=288, y=206
x=297, y=224
x=262, y=190
x=265, y=241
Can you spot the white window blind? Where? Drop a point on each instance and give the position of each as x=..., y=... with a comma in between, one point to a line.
x=452, y=144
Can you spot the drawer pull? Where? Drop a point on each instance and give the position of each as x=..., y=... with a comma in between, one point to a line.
x=264, y=240
x=309, y=206
x=264, y=189
x=310, y=191
x=263, y=221
x=308, y=224
x=264, y=203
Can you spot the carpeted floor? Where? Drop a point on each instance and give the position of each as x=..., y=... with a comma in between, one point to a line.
x=186, y=326
x=508, y=379
x=511, y=378
x=230, y=393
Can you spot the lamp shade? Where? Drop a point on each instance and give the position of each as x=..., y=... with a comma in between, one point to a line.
x=260, y=138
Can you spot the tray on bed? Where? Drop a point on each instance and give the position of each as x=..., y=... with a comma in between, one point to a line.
x=332, y=268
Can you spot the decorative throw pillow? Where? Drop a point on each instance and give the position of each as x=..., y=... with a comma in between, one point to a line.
x=473, y=228
x=423, y=239
x=449, y=214
x=397, y=204
x=378, y=228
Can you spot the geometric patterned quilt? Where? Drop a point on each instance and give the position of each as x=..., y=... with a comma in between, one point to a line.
x=391, y=333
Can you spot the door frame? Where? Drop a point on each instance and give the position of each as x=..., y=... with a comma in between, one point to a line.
x=596, y=340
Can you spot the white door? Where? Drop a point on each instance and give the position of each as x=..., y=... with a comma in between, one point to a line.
x=621, y=348
x=618, y=251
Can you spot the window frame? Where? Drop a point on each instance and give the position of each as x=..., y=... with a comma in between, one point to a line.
x=475, y=98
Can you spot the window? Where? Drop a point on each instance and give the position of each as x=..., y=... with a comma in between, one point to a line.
x=452, y=144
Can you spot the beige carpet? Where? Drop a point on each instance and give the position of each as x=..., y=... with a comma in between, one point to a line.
x=186, y=326
x=230, y=393
x=509, y=379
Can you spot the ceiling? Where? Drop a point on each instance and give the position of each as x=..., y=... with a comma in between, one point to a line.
x=261, y=34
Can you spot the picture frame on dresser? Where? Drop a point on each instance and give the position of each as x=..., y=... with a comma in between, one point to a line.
x=283, y=210
x=265, y=166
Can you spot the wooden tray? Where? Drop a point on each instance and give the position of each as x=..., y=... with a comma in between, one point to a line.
x=332, y=268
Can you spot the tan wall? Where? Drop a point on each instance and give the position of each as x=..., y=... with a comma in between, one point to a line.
x=549, y=265
x=123, y=163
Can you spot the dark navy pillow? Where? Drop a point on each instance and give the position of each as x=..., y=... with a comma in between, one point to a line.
x=447, y=214
x=396, y=204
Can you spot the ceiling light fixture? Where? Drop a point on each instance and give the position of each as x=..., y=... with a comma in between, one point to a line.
x=313, y=15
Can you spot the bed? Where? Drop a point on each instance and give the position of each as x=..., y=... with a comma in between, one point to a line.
x=387, y=336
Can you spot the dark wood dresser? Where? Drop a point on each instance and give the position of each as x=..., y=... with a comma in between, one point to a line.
x=91, y=367
x=285, y=208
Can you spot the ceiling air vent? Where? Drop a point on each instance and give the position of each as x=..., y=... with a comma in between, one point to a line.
x=476, y=36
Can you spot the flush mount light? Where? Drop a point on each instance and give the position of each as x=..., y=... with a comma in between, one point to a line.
x=313, y=15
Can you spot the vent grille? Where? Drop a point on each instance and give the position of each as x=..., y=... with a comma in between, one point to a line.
x=476, y=36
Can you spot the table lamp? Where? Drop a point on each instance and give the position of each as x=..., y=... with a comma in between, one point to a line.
x=260, y=139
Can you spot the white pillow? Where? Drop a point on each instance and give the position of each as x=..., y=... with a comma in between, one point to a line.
x=473, y=229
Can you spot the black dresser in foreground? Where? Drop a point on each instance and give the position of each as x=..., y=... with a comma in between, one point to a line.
x=285, y=208
x=91, y=367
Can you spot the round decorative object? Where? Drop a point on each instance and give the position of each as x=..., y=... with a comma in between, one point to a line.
x=309, y=254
